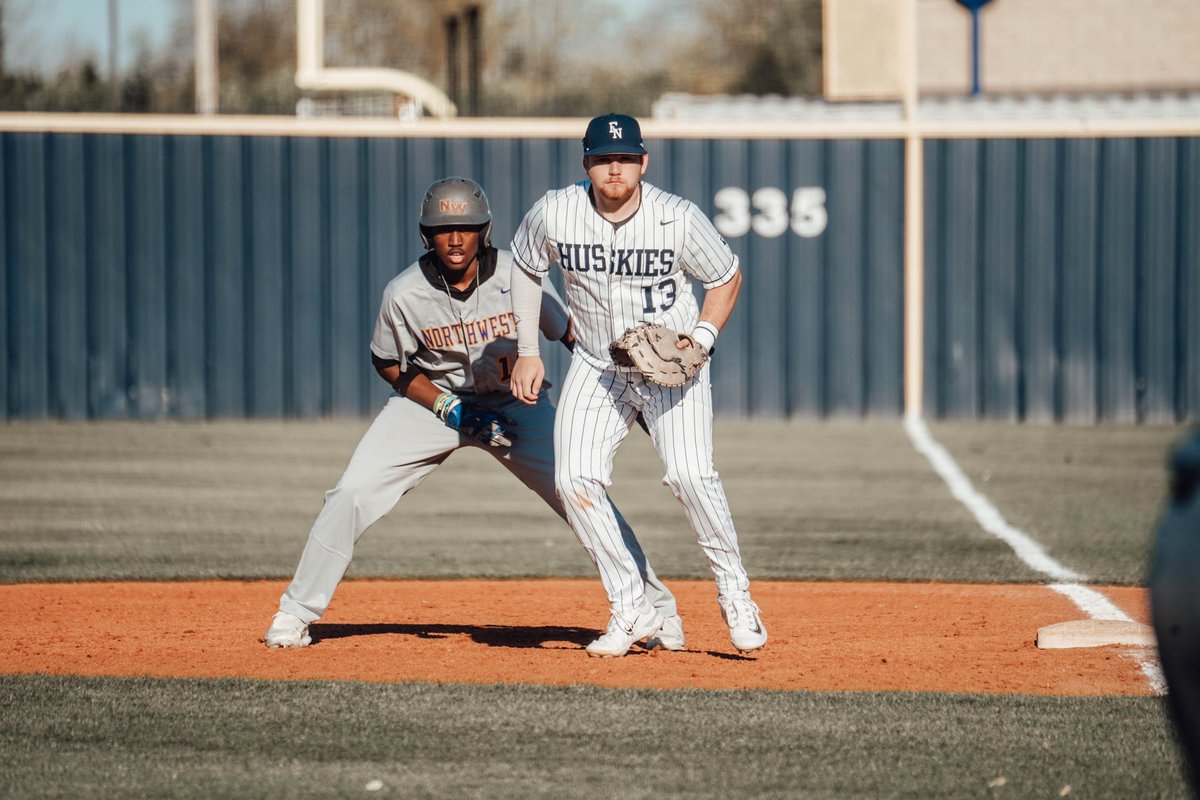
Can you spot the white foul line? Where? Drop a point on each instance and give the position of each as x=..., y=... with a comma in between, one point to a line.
x=1091, y=602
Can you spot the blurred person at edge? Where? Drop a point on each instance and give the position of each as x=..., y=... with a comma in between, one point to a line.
x=1175, y=599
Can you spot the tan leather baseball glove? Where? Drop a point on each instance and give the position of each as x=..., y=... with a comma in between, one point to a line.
x=651, y=350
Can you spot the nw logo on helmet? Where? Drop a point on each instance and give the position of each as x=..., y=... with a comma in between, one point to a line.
x=615, y=130
x=452, y=207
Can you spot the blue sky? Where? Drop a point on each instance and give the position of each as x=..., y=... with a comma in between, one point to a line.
x=47, y=34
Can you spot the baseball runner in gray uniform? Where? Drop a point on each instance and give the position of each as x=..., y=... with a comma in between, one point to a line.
x=445, y=340
x=626, y=250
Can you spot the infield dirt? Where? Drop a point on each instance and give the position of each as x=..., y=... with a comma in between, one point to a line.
x=826, y=636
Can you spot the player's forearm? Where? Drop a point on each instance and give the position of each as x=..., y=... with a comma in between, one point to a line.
x=718, y=306
x=720, y=300
x=413, y=384
x=421, y=390
x=527, y=309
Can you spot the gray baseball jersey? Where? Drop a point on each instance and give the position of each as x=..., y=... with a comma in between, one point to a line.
x=464, y=341
x=619, y=275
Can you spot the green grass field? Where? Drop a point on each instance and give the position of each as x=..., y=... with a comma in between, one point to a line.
x=185, y=738
x=845, y=500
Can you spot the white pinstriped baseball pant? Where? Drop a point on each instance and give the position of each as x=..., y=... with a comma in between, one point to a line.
x=596, y=408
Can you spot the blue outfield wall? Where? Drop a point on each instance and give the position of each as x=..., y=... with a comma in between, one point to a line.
x=193, y=276
x=239, y=276
x=1063, y=279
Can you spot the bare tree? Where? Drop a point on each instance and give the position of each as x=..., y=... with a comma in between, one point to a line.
x=546, y=61
x=754, y=47
x=539, y=57
x=550, y=59
x=385, y=33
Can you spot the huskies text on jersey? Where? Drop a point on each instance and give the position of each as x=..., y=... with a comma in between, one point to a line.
x=643, y=261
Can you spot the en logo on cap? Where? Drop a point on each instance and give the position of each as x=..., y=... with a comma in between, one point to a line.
x=613, y=133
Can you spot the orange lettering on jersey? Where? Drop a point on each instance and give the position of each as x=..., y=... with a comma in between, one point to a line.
x=472, y=332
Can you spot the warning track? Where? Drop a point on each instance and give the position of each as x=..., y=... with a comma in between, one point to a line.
x=827, y=636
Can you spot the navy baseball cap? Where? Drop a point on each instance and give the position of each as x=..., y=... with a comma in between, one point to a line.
x=613, y=133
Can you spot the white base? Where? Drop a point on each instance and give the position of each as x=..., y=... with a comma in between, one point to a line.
x=1094, y=633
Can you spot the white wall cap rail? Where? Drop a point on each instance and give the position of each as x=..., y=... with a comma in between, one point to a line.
x=570, y=127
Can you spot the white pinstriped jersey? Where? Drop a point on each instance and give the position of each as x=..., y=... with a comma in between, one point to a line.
x=464, y=341
x=619, y=275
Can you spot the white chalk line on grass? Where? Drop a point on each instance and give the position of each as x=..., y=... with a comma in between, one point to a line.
x=1070, y=583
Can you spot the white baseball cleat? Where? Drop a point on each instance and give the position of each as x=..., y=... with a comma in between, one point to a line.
x=623, y=631
x=671, y=635
x=746, y=629
x=287, y=630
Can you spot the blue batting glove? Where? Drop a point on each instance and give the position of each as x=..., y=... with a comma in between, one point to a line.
x=480, y=423
x=487, y=426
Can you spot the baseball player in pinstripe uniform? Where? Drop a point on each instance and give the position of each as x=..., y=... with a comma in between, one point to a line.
x=627, y=251
x=446, y=342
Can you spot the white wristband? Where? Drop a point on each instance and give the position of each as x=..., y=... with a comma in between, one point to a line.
x=705, y=335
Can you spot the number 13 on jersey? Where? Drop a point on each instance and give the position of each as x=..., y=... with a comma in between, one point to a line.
x=659, y=297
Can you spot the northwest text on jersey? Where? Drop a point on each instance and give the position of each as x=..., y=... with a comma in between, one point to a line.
x=470, y=332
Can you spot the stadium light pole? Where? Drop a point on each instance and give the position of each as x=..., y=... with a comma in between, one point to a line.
x=452, y=58
x=474, y=59
x=914, y=223
x=207, y=93
x=114, y=88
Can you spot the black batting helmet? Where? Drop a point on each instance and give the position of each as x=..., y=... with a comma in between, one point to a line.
x=455, y=202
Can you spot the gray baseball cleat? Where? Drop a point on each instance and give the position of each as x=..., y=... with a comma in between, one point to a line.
x=746, y=629
x=287, y=630
x=624, y=630
x=671, y=635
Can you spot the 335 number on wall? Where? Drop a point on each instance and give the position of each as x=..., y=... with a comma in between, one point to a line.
x=767, y=213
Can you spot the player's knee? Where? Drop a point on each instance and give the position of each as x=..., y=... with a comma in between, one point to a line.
x=357, y=494
x=574, y=492
x=689, y=480
x=350, y=488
